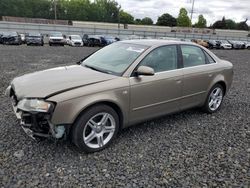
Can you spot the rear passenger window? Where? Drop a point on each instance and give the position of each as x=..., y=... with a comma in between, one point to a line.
x=161, y=59
x=192, y=56
x=209, y=58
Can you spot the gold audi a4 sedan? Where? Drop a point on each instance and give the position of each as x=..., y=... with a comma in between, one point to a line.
x=120, y=85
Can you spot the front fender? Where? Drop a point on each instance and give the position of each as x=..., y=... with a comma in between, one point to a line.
x=71, y=103
x=66, y=112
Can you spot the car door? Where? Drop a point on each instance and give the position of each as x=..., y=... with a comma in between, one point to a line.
x=197, y=75
x=152, y=96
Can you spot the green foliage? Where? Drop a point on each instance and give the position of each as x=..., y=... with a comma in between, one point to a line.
x=230, y=24
x=243, y=26
x=147, y=21
x=126, y=18
x=26, y=8
x=183, y=20
x=202, y=22
x=166, y=20
x=86, y=10
x=137, y=21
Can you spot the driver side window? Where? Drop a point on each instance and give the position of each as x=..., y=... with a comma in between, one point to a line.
x=161, y=59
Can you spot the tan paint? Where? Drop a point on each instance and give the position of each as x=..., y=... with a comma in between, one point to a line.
x=139, y=98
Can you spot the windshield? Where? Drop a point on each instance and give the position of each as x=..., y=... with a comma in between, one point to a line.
x=76, y=37
x=115, y=58
x=37, y=35
x=56, y=35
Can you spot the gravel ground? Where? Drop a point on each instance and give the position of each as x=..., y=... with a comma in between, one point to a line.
x=188, y=149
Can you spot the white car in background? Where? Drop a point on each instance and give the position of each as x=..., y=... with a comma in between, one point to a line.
x=247, y=44
x=56, y=38
x=225, y=44
x=75, y=40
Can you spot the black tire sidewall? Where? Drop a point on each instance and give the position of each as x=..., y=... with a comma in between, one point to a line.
x=79, y=125
x=206, y=105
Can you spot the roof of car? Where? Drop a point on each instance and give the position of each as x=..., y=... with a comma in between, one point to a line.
x=155, y=42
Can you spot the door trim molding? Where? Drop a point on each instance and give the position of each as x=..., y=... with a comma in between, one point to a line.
x=167, y=101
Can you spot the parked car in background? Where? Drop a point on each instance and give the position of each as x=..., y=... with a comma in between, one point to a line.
x=213, y=44
x=56, y=38
x=118, y=86
x=34, y=39
x=108, y=40
x=75, y=40
x=235, y=44
x=242, y=44
x=1, y=41
x=23, y=38
x=247, y=44
x=85, y=38
x=96, y=40
x=224, y=44
x=67, y=40
x=201, y=42
x=11, y=38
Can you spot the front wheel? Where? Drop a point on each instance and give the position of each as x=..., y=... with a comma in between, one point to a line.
x=214, y=99
x=95, y=129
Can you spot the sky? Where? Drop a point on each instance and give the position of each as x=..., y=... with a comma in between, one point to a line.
x=212, y=10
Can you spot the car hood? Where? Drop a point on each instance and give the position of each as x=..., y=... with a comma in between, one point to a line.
x=47, y=83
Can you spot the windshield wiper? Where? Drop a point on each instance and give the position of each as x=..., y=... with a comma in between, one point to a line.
x=99, y=70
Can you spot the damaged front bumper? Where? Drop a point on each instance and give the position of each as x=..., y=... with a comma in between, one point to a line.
x=35, y=124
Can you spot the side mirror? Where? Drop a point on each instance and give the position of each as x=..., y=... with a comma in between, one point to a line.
x=145, y=70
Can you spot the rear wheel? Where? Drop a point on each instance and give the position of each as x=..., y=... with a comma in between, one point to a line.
x=214, y=99
x=95, y=129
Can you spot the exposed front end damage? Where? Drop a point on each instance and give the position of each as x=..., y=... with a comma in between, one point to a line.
x=35, y=123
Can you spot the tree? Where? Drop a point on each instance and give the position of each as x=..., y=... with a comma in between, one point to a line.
x=183, y=20
x=126, y=18
x=243, y=25
x=137, y=21
x=220, y=24
x=202, y=22
x=230, y=24
x=166, y=20
x=147, y=21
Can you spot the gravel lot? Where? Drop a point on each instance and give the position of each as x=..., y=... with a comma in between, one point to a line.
x=189, y=149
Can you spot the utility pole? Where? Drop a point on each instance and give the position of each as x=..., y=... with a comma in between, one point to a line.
x=119, y=8
x=55, y=9
x=192, y=11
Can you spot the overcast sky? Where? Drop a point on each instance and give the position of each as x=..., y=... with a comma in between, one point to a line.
x=212, y=10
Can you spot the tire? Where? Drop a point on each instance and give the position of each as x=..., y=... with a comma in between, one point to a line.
x=94, y=136
x=212, y=107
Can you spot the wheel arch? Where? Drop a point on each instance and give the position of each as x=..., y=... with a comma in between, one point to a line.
x=111, y=104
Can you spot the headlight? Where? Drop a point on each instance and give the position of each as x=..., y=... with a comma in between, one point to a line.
x=34, y=105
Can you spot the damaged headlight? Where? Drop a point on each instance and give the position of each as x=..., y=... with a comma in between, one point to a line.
x=34, y=105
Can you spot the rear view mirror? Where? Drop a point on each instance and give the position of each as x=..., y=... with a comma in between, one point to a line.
x=145, y=70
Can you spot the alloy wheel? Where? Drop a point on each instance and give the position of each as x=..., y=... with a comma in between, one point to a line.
x=99, y=130
x=215, y=98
